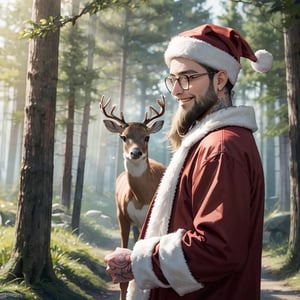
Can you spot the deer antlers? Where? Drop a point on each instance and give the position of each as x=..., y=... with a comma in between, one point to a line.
x=111, y=115
x=156, y=114
x=162, y=104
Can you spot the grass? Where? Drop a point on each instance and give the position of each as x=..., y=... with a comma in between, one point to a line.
x=77, y=262
x=78, y=266
x=275, y=258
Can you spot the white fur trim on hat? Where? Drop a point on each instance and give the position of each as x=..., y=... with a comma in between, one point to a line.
x=202, y=52
x=264, y=61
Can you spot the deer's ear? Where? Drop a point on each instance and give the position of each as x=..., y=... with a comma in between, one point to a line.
x=156, y=126
x=113, y=126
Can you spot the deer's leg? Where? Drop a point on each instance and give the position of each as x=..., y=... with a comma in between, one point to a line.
x=136, y=233
x=123, y=290
x=124, y=224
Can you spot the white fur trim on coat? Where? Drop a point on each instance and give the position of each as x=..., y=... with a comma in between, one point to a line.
x=174, y=266
x=141, y=262
x=242, y=116
x=157, y=228
x=145, y=278
x=134, y=293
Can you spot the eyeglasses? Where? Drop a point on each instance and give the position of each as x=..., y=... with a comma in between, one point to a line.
x=183, y=80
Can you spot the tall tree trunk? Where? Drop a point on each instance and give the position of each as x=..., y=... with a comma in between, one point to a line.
x=292, y=60
x=66, y=188
x=14, y=152
x=270, y=189
x=31, y=259
x=284, y=186
x=84, y=131
x=100, y=163
x=124, y=54
x=68, y=152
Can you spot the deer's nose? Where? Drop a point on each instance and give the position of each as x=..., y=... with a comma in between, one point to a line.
x=135, y=153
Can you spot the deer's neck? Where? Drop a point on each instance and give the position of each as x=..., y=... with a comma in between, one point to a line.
x=142, y=182
x=136, y=168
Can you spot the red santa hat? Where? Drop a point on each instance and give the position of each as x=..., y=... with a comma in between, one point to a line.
x=217, y=47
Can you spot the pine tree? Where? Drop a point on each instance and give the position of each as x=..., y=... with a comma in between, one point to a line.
x=31, y=260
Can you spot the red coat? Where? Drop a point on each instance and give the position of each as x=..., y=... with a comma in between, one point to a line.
x=214, y=239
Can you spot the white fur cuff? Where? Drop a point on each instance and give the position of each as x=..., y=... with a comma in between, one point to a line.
x=134, y=293
x=141, y=261
x=174, y=266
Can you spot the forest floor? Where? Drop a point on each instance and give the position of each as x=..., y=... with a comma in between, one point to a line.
x=271, y=288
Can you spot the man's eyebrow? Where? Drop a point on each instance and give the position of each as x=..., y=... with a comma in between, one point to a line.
x=185, y=72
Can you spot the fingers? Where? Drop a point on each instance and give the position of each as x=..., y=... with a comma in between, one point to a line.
x=119, y=265
x=112, y=275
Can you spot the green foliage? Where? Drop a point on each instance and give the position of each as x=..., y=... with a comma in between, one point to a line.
x=6, y=240
x=43, y=27
x=17, y=290
x=13, y=51
x=74, y=261
x=282, y=125
x=78, y=266
x=261, y=31
x=289, y=10
x=7, y=212
x=53, y=23
x=90, y=230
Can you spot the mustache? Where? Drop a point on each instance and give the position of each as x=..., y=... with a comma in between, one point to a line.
x=186, y=119
x=183, y=120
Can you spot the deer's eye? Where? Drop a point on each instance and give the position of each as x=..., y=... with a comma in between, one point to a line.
x=123, y=138
x=147, y=138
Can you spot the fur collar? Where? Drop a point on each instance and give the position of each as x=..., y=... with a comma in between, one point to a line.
x=243, y=116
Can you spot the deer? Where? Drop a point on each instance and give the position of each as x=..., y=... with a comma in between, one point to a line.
x=136, y=186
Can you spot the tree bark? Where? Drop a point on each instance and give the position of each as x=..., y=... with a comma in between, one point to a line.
x=31, y=259
x=284, y=184
x=68, y=153
x=66, y=190
x=292, y=59
x=84, y=131
x=123, y=72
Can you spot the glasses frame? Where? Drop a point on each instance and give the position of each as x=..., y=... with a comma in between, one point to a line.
x=170, y=85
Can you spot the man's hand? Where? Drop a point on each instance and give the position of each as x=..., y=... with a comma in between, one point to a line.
x=119, y=265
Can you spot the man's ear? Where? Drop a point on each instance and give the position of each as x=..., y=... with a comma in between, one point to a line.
x=220, y=80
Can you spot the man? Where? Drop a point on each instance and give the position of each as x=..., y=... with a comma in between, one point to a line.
x=202, y=238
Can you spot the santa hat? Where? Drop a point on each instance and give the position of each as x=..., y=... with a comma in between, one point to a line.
x=217, y=47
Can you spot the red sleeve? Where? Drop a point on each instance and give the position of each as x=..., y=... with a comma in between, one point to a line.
x=220, y=205
x=215, y=205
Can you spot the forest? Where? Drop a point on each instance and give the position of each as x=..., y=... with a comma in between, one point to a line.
x=58, y=153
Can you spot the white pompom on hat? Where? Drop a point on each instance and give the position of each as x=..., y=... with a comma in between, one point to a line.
x=264, y=61
x=217, y=47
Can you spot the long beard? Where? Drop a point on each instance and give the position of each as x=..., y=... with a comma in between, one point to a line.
x=183, y=120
